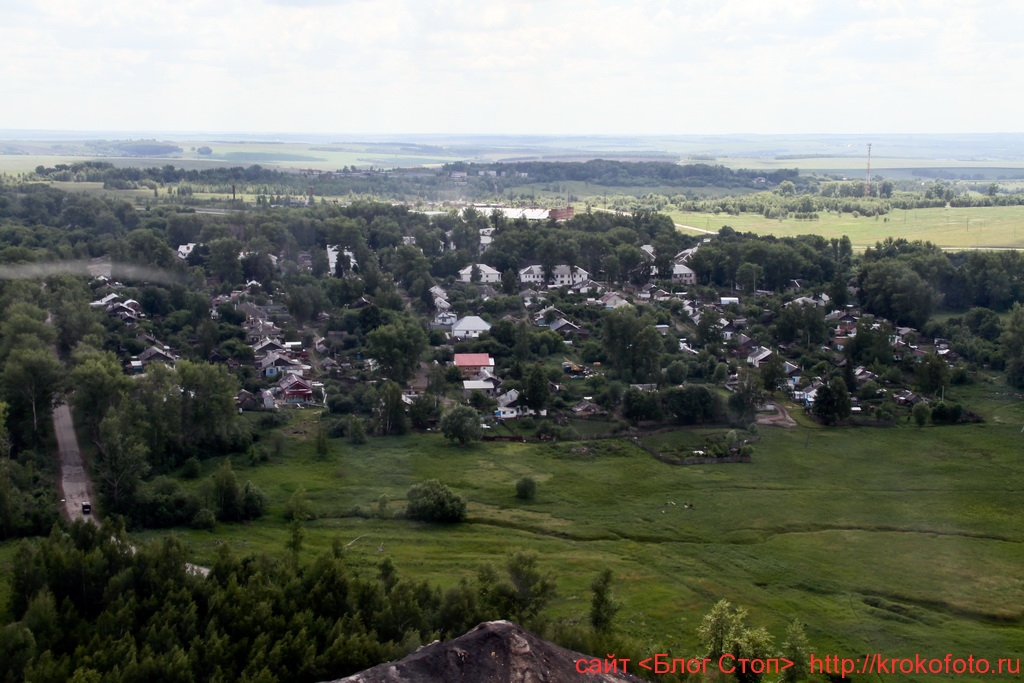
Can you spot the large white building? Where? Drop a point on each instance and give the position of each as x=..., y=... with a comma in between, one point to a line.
x=560, y=275
x=487, y=274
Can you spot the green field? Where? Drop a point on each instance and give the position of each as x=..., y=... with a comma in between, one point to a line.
x=953, y=228
x=284, y=155
x=894, y=540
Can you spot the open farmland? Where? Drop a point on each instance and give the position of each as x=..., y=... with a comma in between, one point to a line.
x=896, y=540
x=855, y=166
x=951, y=228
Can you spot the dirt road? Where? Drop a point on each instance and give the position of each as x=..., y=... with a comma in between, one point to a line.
x=780, y=417
x=75, y=485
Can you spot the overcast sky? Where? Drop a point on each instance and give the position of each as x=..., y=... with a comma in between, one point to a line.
x=513, y=66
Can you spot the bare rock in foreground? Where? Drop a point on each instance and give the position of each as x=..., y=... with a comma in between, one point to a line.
x=493, y=652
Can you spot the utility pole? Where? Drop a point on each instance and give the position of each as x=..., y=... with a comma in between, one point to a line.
x=867, y=186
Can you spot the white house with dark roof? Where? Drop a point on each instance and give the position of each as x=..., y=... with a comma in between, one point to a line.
x=470, y=327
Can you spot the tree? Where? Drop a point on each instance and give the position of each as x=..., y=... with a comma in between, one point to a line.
x=355, y=430
x=223, y=261
x=122, y=461
x=397, y=347
x=1012, y=342
x=525, y=594
x=390, y=411
x=207, y=403
x=254, y=502
x=461, y=424
x=983, y=322
x=747, y=276
x=99, y=384
x=24, y=326
x=631, y=344
x=716, y=628
x=323, y=444
x=773, y=373
x=709, y=331
x=832, y=401
x=422, y=410
x=297, y=507
x=5, y=436
x=159, y=399
x=535, y=391
x=638, y=405
x=32, y=380
x=932, y=374
x=692, y=404
x=892, y=289
x=320, y=262
x=724, y=630
x=747, y=396
x=227, y=494
x=432, y=501
x=796, y=649
x=602, y=607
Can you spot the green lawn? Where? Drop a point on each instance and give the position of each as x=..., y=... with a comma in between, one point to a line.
x=896, y=540
x=956, y=228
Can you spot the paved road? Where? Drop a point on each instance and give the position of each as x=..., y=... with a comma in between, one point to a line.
x=75, y=485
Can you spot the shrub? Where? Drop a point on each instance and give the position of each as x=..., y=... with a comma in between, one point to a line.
x=297, y=508
x=335, y=428
x=920, y=412
x=946, y=413
x=254, y=502
x=192, y=468
x=432, y=501
x=273, y=419
x=204, y=519
x=355, y=430
x=526, y=488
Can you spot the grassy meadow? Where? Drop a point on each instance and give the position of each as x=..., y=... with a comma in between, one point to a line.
x=952, y=228
x=896, y=540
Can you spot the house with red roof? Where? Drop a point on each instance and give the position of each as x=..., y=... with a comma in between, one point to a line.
x=472, y=363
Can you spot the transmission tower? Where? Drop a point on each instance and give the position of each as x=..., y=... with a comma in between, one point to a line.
x=867, y=186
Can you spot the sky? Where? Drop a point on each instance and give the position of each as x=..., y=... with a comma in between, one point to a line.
x=555, y=67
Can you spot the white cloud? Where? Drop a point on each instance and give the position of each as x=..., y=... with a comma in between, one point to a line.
x=580, y=66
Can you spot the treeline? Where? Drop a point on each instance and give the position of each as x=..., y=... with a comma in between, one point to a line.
x=775, y=263
x=274, y=186
x=902, y=280
x=627, y=173
x=88, y=606
x=789, y=204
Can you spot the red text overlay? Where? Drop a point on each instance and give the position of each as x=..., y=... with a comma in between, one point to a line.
x=818, y=664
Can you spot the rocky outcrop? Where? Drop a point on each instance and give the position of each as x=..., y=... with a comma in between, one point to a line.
x=493, y=652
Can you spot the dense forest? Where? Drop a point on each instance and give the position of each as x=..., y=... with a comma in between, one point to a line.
x=91, y=607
